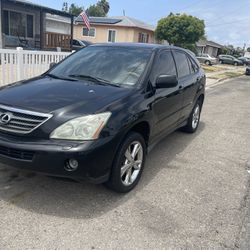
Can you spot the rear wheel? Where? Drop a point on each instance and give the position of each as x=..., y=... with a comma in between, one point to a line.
x=128, y=164
x=194, y=118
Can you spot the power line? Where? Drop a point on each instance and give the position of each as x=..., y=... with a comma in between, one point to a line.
x=228, y=13
x=233, y=22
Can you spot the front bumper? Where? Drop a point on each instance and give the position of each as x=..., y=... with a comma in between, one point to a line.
x=50, y=156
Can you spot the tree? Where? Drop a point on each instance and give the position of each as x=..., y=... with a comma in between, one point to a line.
x=65, y=7
x=100, y=9
x=248, y=49
x=75, y=9
x=104, y=5
x=180, y=30
x=94, y=10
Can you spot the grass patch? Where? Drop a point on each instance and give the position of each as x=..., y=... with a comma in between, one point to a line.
x=214, y=68
x=227, y=75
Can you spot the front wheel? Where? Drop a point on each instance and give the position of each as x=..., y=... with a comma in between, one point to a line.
x=207, y=63
x=128, y=164
x=194, y=118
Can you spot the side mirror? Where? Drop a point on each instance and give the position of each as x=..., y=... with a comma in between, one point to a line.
x=52, y=65
x=166, y=81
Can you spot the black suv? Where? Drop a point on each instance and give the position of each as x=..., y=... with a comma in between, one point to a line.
x=94, y=115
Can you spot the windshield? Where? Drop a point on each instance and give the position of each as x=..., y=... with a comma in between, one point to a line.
x=116, y=65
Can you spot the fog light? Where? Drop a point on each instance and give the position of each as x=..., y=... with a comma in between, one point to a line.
x=71, y=165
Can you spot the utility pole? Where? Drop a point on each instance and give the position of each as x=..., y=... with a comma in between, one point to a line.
x=244, y=47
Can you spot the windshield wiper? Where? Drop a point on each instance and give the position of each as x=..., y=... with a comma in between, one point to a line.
x=95, y=79
x=60, y=77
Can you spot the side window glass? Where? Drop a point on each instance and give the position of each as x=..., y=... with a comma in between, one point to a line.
x=191, y=66
x=195, y=67
x=181, y=63
x=164, y=65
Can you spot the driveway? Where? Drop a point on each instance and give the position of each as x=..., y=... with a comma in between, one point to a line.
x=193, y=193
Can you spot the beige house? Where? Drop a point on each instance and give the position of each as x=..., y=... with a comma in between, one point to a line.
x=114, y=29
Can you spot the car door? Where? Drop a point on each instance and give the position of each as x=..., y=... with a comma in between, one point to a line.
x=188, y=77
x=167, y=101
x=230, y=60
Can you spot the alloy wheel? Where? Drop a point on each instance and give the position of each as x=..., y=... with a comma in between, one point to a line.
x=196, y=117
x=131, y=167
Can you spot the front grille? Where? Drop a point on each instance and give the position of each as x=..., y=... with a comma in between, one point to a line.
x=16, y=153
x=20, y=121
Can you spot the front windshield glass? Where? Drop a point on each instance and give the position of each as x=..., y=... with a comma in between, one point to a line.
x=115, y=65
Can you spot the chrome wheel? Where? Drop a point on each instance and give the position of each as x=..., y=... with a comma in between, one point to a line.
x=196, y=117
x=132, y=163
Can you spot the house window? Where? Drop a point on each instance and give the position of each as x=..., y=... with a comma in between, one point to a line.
x=18, y=24
x=86, y=32
x=111, y=36
x=143, y=38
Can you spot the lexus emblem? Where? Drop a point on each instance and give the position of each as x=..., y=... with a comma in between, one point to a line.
x=5, y=118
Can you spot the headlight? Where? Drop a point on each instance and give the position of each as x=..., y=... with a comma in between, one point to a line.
x=82, y=128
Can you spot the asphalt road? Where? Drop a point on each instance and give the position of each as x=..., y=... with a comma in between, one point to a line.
x=194, y=193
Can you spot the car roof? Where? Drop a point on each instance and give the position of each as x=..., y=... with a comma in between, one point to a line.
x=139, y=45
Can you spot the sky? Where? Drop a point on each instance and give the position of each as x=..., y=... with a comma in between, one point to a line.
x=227, y=22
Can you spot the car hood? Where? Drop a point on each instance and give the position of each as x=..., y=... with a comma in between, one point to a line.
x=45, y=94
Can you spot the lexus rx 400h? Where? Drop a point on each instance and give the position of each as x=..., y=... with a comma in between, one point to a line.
x=94, y=116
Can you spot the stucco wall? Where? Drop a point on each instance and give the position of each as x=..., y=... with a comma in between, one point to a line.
x=123, y=34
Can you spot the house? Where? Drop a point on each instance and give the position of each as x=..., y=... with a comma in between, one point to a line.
x=247, y=54
x=28, y=25
x=208, y=47
x=114, y=29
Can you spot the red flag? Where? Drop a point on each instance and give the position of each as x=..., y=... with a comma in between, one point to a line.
x=85, y=19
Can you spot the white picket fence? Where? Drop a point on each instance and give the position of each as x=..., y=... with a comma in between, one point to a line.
x=19, y=64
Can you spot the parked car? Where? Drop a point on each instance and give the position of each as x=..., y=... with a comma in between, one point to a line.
x=227, y=59
x=245, y=60
x=207, y=59
x=95, y=115
x=248, y=71
x=79, y=44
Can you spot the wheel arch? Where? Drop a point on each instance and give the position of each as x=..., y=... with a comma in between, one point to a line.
x=142, y=128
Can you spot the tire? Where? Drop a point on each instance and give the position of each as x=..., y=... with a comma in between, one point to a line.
x=244, y=64
x=235, y=64
x=123, y=183
x=194, y=118
x=207, y=63
x=221, y=62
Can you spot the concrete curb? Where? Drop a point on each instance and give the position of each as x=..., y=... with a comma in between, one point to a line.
x=220, y=81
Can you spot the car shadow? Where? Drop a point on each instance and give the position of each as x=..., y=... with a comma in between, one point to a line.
x=69, y=199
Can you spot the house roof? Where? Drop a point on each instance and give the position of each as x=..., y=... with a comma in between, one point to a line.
x=38, y=6
x=203, y=43
x=119, y=21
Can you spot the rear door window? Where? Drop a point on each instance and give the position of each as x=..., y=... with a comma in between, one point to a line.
x=181, y=63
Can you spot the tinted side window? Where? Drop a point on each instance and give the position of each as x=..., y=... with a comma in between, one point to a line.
x=193, y=66
x=76, y=43
x=182, y=64
x=164, y=65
